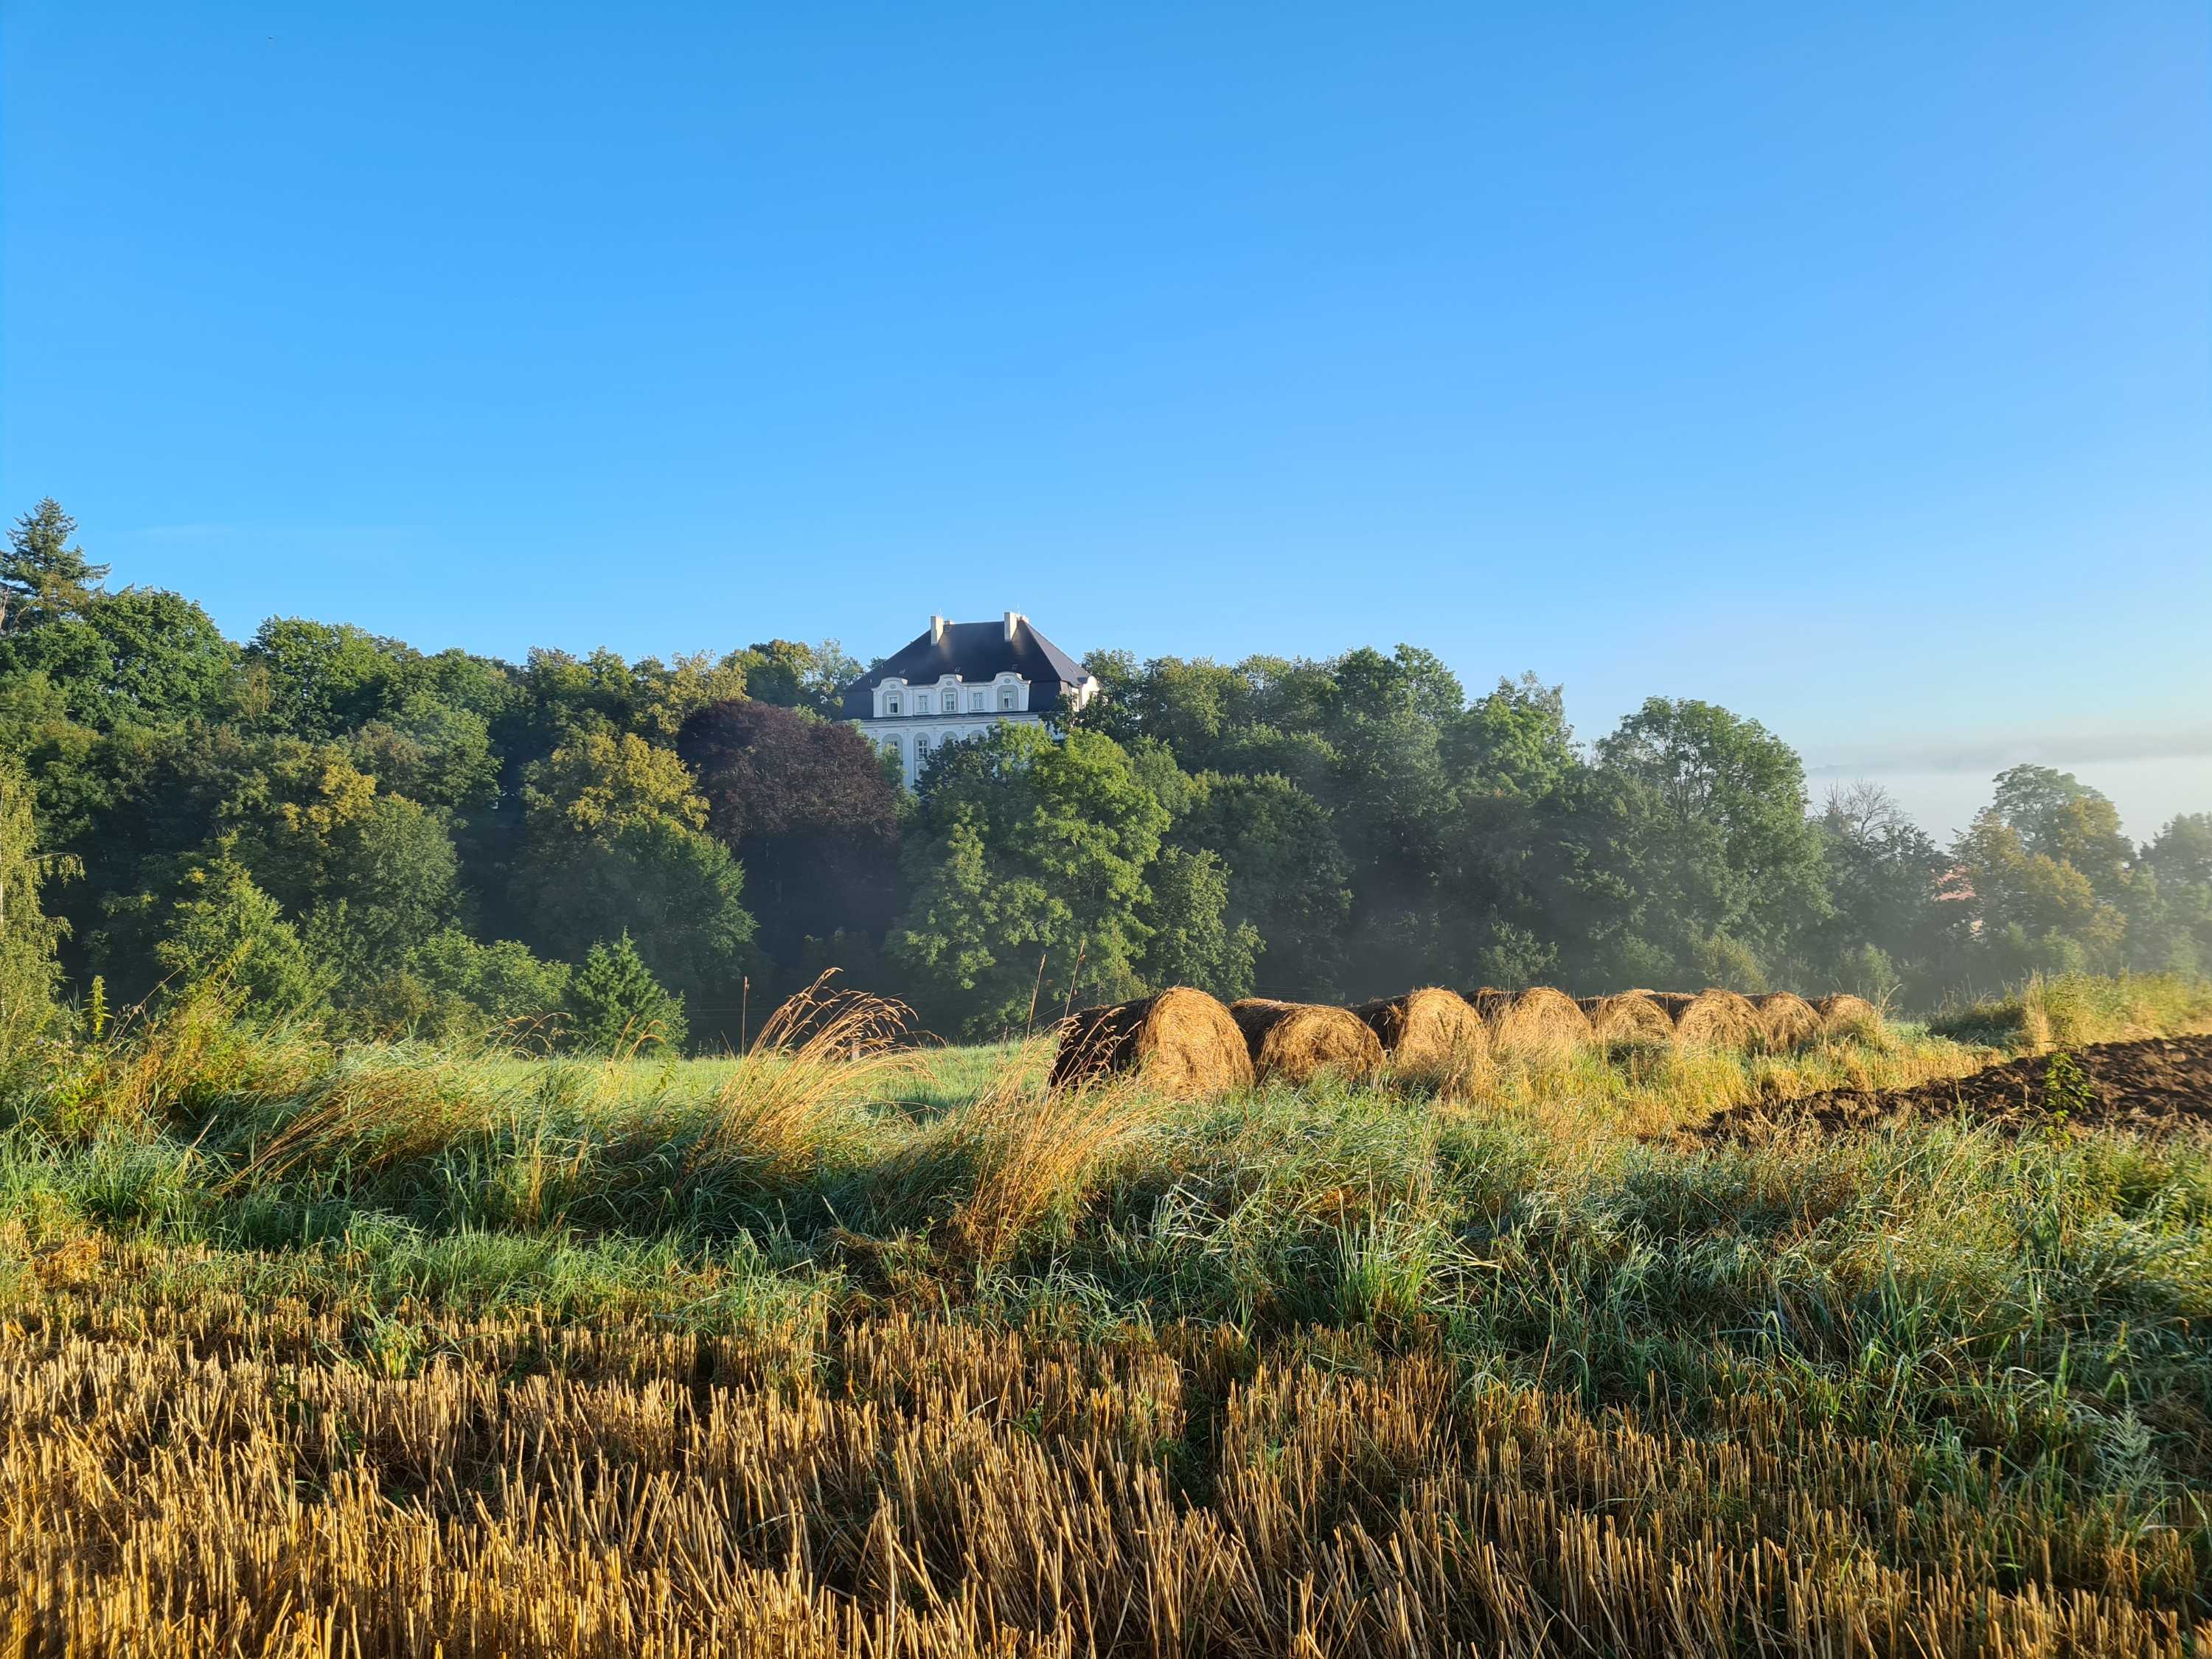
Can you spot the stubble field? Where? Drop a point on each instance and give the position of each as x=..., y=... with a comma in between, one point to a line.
x=387, y=1352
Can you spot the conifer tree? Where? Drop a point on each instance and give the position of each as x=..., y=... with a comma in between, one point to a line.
x=42, y=576
x=616, y=1006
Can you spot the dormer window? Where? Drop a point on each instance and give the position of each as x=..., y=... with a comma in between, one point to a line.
x=891, y=703
x=1007, y=697
x=977, y=702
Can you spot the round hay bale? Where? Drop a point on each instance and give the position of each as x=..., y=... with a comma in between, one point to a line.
x=1180, y=1042
x=1845, y=1015
x=1430, y=1032
x=1713, y=1018
x=1786, y=1020
x=1539, y=1021
x=1629, y=1016
x=1294, y=1043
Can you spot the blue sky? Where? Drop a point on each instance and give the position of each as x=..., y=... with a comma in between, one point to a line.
x=1852, y=366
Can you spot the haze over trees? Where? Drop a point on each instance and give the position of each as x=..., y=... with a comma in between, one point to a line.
x=605, y=854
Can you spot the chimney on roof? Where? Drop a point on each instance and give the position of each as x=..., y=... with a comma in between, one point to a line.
x=1014, y=619
x=937, y=630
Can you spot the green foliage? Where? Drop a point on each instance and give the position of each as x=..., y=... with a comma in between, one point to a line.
x=453, y=988
x=319, y=680
x=1865, y=970
x=794, y=676
x=1027, y=851
x=1320, y=829
x=679, y=891
x=43, y=578
x=1516, y=740
x=2038, y=912
x=1192, y=941
x=616, y=1006
x=222, y=929
x=376, y=874
x=617, y=848
x=431, y=751
x=1713, y=817
x=138, y=656
x=28, y=936
x=1287, y=879
x=1729, y=963
x=603, y=782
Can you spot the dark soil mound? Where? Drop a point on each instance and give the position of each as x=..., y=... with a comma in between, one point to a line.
x=2158, y=1086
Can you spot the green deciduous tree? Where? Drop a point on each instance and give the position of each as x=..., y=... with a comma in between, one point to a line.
x=431, y=751
x=138, y=657
x=616, y=844
x=1193, y=942
x=28, y=936
x=790, y=675
x=602, y=781
x=376, y=873
x=1027, y=851
x=1884, y=874
x=1709, y=818
x=320, y=680
x=1287, y=879
x=2036, y=912
x=451, y=987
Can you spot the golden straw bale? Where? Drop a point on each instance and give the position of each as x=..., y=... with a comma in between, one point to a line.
x=1713, y=1018
x=1180, y=1042
x=1430, y=1032
x=1629, y=1016
x=1845, y=1015
x=1537, y=1021
x=1786, y=1020
x=1295, y=1042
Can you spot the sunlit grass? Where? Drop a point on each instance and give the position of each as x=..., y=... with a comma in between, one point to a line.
x=875, y=1310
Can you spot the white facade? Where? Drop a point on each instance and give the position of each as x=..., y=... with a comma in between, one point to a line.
x=910, y=719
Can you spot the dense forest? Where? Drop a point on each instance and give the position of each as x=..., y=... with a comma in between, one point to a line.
x=583, y=852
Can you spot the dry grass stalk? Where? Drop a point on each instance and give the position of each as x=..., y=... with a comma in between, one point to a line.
x=1537, y=1023
x=188, y=1053
x=822, y=1050
x=1431, y=1034
x=1182, y=1043
x=1028, y=1150
x=1295, y=1042
x=1628, y=1018
x=1712, y=1018
x=380, y=1113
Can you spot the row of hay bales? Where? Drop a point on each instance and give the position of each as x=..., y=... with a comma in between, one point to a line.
x=1187, y=1044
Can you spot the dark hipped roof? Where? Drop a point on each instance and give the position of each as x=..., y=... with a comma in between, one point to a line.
x=974, y=651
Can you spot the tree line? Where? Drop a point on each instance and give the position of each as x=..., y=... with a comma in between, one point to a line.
x=601, y=854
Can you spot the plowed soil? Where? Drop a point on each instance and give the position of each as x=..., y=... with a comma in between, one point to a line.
x=2160, y=1085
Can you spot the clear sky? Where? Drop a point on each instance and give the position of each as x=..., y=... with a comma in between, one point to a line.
x=1850, y=366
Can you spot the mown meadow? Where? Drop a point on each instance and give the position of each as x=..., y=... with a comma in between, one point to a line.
x=846, y=1346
